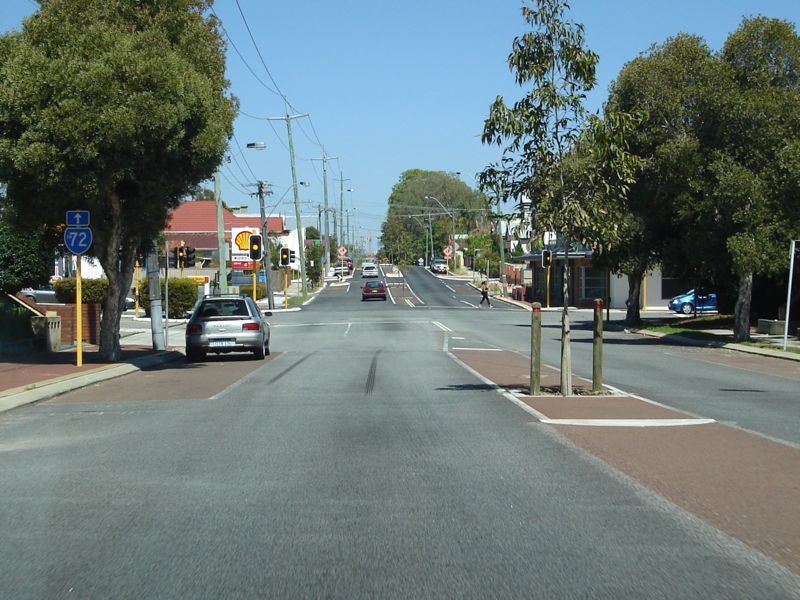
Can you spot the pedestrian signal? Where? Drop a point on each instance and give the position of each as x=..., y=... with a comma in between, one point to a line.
x=547, y=258
x=173, y=260
x=291, y=256
x=285, y=257
x=256, y=251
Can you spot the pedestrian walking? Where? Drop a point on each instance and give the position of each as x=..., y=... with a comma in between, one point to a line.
x=485, y=293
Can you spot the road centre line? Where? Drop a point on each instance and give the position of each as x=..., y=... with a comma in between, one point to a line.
x=442, y=327
x=449, y=288
x=409, y=302
x=408, y=287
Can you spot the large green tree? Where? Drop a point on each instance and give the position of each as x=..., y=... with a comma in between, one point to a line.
x=752, y=196
x=117, y=107
x=413, y=214
x=571, y=165
x=665, y=85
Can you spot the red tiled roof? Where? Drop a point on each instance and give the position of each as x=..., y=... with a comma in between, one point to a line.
x=200, y=217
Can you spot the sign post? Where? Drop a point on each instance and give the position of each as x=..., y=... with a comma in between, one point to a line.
x=78, y=239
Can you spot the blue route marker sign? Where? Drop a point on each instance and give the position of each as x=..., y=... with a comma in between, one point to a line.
x=77, y=218
x=78, y=239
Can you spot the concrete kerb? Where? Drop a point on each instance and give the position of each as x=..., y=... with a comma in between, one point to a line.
x=687, y=341
x=36, y=392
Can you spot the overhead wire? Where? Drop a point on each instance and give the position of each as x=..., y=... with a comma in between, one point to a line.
x=261, y=58
x=246, y=64
x=244, y=158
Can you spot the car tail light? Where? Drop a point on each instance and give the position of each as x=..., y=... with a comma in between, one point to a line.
x=194, y=328
x=250, y=327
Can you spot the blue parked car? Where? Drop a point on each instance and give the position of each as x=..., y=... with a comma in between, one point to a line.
x=685, y=303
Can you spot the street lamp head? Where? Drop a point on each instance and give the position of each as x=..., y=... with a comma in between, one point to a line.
x=256, y=145
x=303, y=183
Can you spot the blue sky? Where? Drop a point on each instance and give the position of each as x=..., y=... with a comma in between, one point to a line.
x=392, y=86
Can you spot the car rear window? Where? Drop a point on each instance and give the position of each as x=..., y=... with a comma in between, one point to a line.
x=374, y=284
x=224, y=308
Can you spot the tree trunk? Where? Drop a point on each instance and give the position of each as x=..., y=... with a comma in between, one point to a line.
x=633, y=315
x=116, y=253
x=741, y=314
x=566, y=356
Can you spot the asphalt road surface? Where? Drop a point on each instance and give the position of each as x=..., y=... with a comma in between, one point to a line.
x=361, y=461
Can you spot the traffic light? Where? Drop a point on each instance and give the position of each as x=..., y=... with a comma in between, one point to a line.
x=285, y=257
x=173, y=260
x=256, y=250
x=181, y=256
x=291, y=256
x=189, y=256
x=547, y=258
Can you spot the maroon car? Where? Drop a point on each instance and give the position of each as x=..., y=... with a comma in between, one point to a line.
x=373, y=289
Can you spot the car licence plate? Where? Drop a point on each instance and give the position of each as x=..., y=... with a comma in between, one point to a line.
x=216, y=343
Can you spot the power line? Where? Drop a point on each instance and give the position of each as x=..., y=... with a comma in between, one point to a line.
x=236, y=49
x=244, y=158
x=261, y=58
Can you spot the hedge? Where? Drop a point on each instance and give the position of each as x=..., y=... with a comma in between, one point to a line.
x=93, y=291
x=182, y=296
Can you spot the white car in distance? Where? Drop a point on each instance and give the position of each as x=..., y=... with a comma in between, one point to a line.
x=369, y=270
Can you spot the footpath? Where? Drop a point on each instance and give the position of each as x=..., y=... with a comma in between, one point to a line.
x=32, y=378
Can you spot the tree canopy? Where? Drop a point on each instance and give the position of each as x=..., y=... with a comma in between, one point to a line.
x=117, y=107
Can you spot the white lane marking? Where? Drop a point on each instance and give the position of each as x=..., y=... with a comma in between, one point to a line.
x=449, y=288
x=502, y=391
x=409, y=302
x=440, y=326
x=349, y=325
x=481, y=349
x=365, y=322
x=469, y=304
x=389, y=291
x=458, y=338
x=629, y=422
x=413, y=294
x=509, y=395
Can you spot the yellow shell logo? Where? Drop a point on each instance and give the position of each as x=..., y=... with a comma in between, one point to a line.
x=242, y=240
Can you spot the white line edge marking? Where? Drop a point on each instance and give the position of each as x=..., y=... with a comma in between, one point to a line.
x=409, y=302
x=628, y=422
x=590, y=422
x=442, y=327
x=243, y=380
x=502, y=391
x=408, y=287
x=349, y=325
x=469, y=303
x=449, y=288
x=480, y=349
x=389, y=291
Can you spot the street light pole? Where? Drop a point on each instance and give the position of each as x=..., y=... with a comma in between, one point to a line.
x=453, y=218
x=266, y=262
x=326, y=242
x=301, y=244
x=223, y=263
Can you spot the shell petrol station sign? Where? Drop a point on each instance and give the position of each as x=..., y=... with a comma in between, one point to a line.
x=240, y=247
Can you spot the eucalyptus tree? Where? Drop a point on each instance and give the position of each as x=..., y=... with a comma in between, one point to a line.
x=117, y=107
x=541, y=130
